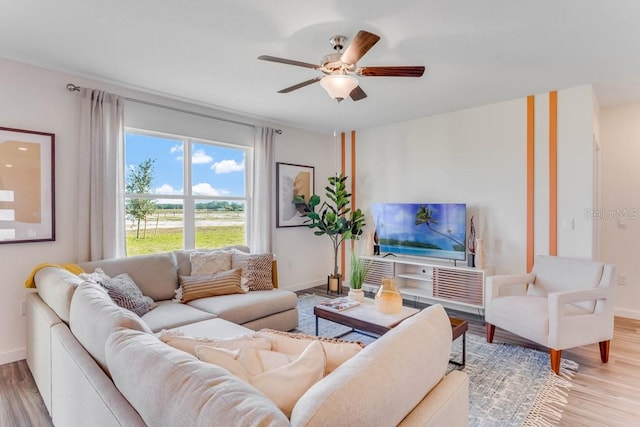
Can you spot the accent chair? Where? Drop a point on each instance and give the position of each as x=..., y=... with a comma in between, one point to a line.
x=563, y=303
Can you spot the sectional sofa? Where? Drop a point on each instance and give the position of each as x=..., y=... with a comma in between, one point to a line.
x=98, y=364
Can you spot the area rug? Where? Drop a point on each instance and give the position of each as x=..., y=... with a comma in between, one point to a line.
x=509, y=385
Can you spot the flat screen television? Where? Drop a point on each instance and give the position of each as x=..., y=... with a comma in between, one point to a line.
x=434, y=230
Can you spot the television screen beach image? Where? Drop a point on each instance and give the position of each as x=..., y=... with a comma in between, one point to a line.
x=436, y=230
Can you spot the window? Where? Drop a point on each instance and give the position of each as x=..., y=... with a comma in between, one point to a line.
x=183, y=193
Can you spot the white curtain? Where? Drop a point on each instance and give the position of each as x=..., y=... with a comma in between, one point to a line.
x=101, y=224
x=261, y=237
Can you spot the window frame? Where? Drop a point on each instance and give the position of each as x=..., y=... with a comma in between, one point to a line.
x=188, y=199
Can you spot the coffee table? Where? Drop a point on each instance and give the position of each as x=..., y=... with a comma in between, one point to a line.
x=459, y=327
x=365, y=319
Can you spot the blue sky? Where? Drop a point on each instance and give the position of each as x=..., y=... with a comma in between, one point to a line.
x=217, y=170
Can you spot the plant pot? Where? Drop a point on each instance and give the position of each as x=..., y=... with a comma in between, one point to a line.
x=334, y=284
x=356, y=294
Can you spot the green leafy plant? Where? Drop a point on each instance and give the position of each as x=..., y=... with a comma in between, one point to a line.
x=333, y=216
x=359, y=270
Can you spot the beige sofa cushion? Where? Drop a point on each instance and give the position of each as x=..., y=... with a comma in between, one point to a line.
x=169, y=314
x=423, y=340
x=94, y=316
x=183, y=261
x=154, y=274
x=242, y=308
x=180, y=390
x=56, y=287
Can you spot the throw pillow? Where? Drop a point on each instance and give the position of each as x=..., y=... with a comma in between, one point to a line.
x=210, y=285
x=188, y=344
x=122, y=290
x=256, y=269
x=209, y=262
x=337, y=351
x=285, y=379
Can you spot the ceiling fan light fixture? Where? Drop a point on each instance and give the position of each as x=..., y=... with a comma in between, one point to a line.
x=339, y=86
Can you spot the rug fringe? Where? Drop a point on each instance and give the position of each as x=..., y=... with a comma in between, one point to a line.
x=552, y=398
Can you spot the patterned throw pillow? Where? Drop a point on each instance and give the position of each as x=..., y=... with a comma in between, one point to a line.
x=210, y=262
x=209, y=285
x=123, y=291
x=256, y=269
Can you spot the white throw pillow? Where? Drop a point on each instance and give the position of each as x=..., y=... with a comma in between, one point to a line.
x=282, y=378
x=337, y=351
x=188, y=344
x=209, y=262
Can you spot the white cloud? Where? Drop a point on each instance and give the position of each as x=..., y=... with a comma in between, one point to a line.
x=167, y=189
x=205, y=189
x=227, y=166
x=176, y=149
x=200, y=157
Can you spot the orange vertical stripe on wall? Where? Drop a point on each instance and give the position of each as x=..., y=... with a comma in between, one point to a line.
x=353, y=177
x=343, y=165
x=553, y=173
x=530, y=180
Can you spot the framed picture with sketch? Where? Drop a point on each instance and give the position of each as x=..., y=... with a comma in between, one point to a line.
x=291, y=181
x=27, y=198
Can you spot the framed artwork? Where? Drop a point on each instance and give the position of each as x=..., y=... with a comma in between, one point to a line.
x=27, y=185
x=291, y=181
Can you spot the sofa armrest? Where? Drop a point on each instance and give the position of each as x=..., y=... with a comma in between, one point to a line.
x=446, y=405
x=497, y=284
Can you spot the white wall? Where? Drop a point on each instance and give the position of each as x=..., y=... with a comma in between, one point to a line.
x=475, y=156
x=620, y=201
x=36, y=99
x=304, y=260
x=478, y=157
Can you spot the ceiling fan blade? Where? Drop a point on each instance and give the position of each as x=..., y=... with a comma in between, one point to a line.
x=409, y=71
x=299, y=85
x=357, y=94
x=362, y=42
x=288, y=61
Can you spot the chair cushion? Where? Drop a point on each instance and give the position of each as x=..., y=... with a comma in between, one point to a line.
x=557, y=274
x=526, y=316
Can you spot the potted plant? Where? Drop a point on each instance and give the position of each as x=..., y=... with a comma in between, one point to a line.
x=359, y=269
x=333, y=218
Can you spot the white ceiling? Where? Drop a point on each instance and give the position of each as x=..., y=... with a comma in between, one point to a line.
x=476, y=52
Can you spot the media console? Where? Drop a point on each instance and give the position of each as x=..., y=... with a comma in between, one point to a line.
x=430, y=281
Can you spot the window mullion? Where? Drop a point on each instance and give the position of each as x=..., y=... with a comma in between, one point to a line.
x=189, y=205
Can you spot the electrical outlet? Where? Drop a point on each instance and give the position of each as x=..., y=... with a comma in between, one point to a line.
x=622, y=279
x=23, y=308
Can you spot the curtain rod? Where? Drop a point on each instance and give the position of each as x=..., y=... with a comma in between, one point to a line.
x=75, y=88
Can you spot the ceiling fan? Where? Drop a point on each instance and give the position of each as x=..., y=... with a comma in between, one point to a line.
x=340, y=67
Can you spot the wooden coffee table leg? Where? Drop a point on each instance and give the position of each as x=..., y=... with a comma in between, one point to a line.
x=316, y=325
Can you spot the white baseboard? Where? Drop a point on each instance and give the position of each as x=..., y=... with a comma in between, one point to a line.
x=629, y=314
x=301, y=286
x=13, y=356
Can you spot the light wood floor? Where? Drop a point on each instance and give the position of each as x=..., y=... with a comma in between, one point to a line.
x=602, y=394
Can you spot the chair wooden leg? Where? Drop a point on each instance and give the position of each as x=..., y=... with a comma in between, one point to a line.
x=555, y=356
x=604, y=350
x=491, y=329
